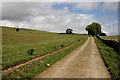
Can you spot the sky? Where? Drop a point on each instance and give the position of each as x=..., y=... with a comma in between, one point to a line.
x=58, y=16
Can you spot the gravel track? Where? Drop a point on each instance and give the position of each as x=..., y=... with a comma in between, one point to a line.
x=84, y=62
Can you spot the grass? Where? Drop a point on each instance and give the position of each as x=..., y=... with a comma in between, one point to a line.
x=16, y=44
x=112, y=37
x=111, y=59
x=40, y=65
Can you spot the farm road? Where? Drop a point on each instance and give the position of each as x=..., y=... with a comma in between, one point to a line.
x=84, y=62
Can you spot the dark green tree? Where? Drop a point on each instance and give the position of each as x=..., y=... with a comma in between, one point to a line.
x=93, y=29
x=69, y=31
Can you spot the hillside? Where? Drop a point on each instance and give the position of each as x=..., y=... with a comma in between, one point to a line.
x=16, y=44
x=11, y=36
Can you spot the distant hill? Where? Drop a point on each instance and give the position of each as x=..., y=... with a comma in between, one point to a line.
x=23, y=29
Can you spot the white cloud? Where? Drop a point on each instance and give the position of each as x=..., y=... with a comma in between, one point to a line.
x=58, y=23
x=110, y=29
x=42, y=16
x=108, y=18
x=113, y=6
x=87, y=6
x=19, y=11
x=55, y=23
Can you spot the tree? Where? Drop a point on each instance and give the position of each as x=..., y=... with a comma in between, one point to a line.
x=93, y=29
x=17, y=29
x=69, y=31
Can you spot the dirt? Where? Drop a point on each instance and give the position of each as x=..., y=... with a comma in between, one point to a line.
x=84, y=62
x=12, y=68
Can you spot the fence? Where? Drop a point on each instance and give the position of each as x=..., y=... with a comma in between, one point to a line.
x=111, y=43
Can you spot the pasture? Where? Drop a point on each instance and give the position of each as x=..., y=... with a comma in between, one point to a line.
x=30, y=70
x=15, y=45
x=112, y=37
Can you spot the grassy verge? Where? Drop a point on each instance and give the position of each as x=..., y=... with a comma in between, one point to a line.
x=30, y=70
x=111, y=59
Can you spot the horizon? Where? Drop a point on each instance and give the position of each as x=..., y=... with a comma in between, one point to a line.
x=50, y=32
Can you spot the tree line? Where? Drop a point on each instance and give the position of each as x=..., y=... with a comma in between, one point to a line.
x=93, y=29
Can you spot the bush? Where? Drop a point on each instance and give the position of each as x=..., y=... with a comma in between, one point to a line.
x=30, y=51
x=54, y=47
x=17, y=29
x=62, y=45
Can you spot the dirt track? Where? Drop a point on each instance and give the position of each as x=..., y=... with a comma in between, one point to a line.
x=84, y=62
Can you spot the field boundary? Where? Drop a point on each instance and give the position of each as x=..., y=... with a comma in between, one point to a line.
x=111, y=43
x=13, y=67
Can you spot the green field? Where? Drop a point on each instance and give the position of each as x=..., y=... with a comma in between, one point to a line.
x=16, y=44
x=38, y=66
x=112, y=37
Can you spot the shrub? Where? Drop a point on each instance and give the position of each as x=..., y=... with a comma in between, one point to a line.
x=54, y=47
x=17, y=29
x=30, y=51
x=62, y=45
